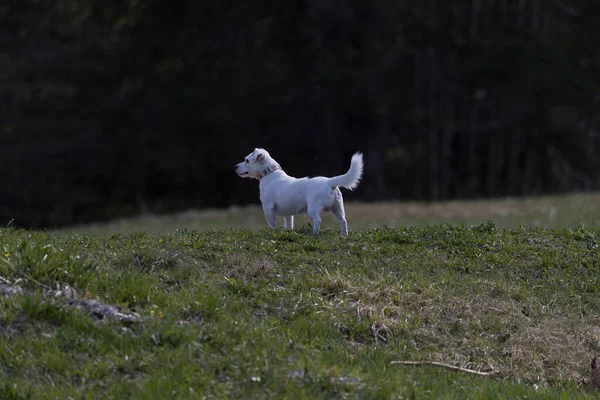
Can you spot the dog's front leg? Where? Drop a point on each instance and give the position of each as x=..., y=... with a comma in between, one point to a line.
x=288, y=222
x=270, y=215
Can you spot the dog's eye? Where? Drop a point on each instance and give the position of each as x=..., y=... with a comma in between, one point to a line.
x=247, y=161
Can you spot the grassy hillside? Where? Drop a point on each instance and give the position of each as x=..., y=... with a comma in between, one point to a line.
x=273, y=314
x=565, y=211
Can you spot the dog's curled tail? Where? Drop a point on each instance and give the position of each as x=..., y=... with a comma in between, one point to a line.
x=351, y=178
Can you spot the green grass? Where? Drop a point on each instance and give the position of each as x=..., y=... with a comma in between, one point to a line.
x=233, y=313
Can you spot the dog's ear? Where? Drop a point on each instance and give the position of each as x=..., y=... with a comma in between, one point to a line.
x=260, y=157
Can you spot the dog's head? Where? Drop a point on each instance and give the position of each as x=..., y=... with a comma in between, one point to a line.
x=254, y=164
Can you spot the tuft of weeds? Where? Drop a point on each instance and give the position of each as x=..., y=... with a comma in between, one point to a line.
x=277, y=314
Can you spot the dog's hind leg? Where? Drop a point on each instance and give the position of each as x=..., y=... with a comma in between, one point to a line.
x=314, y=212
x=270, y=215
x=288, y=222
x=338, y=210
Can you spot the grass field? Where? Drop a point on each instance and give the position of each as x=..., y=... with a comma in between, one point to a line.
x=548, y=212
x=246, y=313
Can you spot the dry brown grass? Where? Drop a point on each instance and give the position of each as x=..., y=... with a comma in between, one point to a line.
x=488, y=331
x=240, y=267
x=549, y=211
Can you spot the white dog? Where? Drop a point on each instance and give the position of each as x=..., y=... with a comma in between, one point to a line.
x=284, y=196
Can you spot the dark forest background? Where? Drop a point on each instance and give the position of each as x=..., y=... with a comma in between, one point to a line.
x=109, y=108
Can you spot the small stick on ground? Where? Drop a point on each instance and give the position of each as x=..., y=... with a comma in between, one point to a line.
x=492, y=374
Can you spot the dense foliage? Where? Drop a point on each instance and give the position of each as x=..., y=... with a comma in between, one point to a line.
x=111, y=107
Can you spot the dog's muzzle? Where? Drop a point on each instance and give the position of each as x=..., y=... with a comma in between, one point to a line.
x=239, y=173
